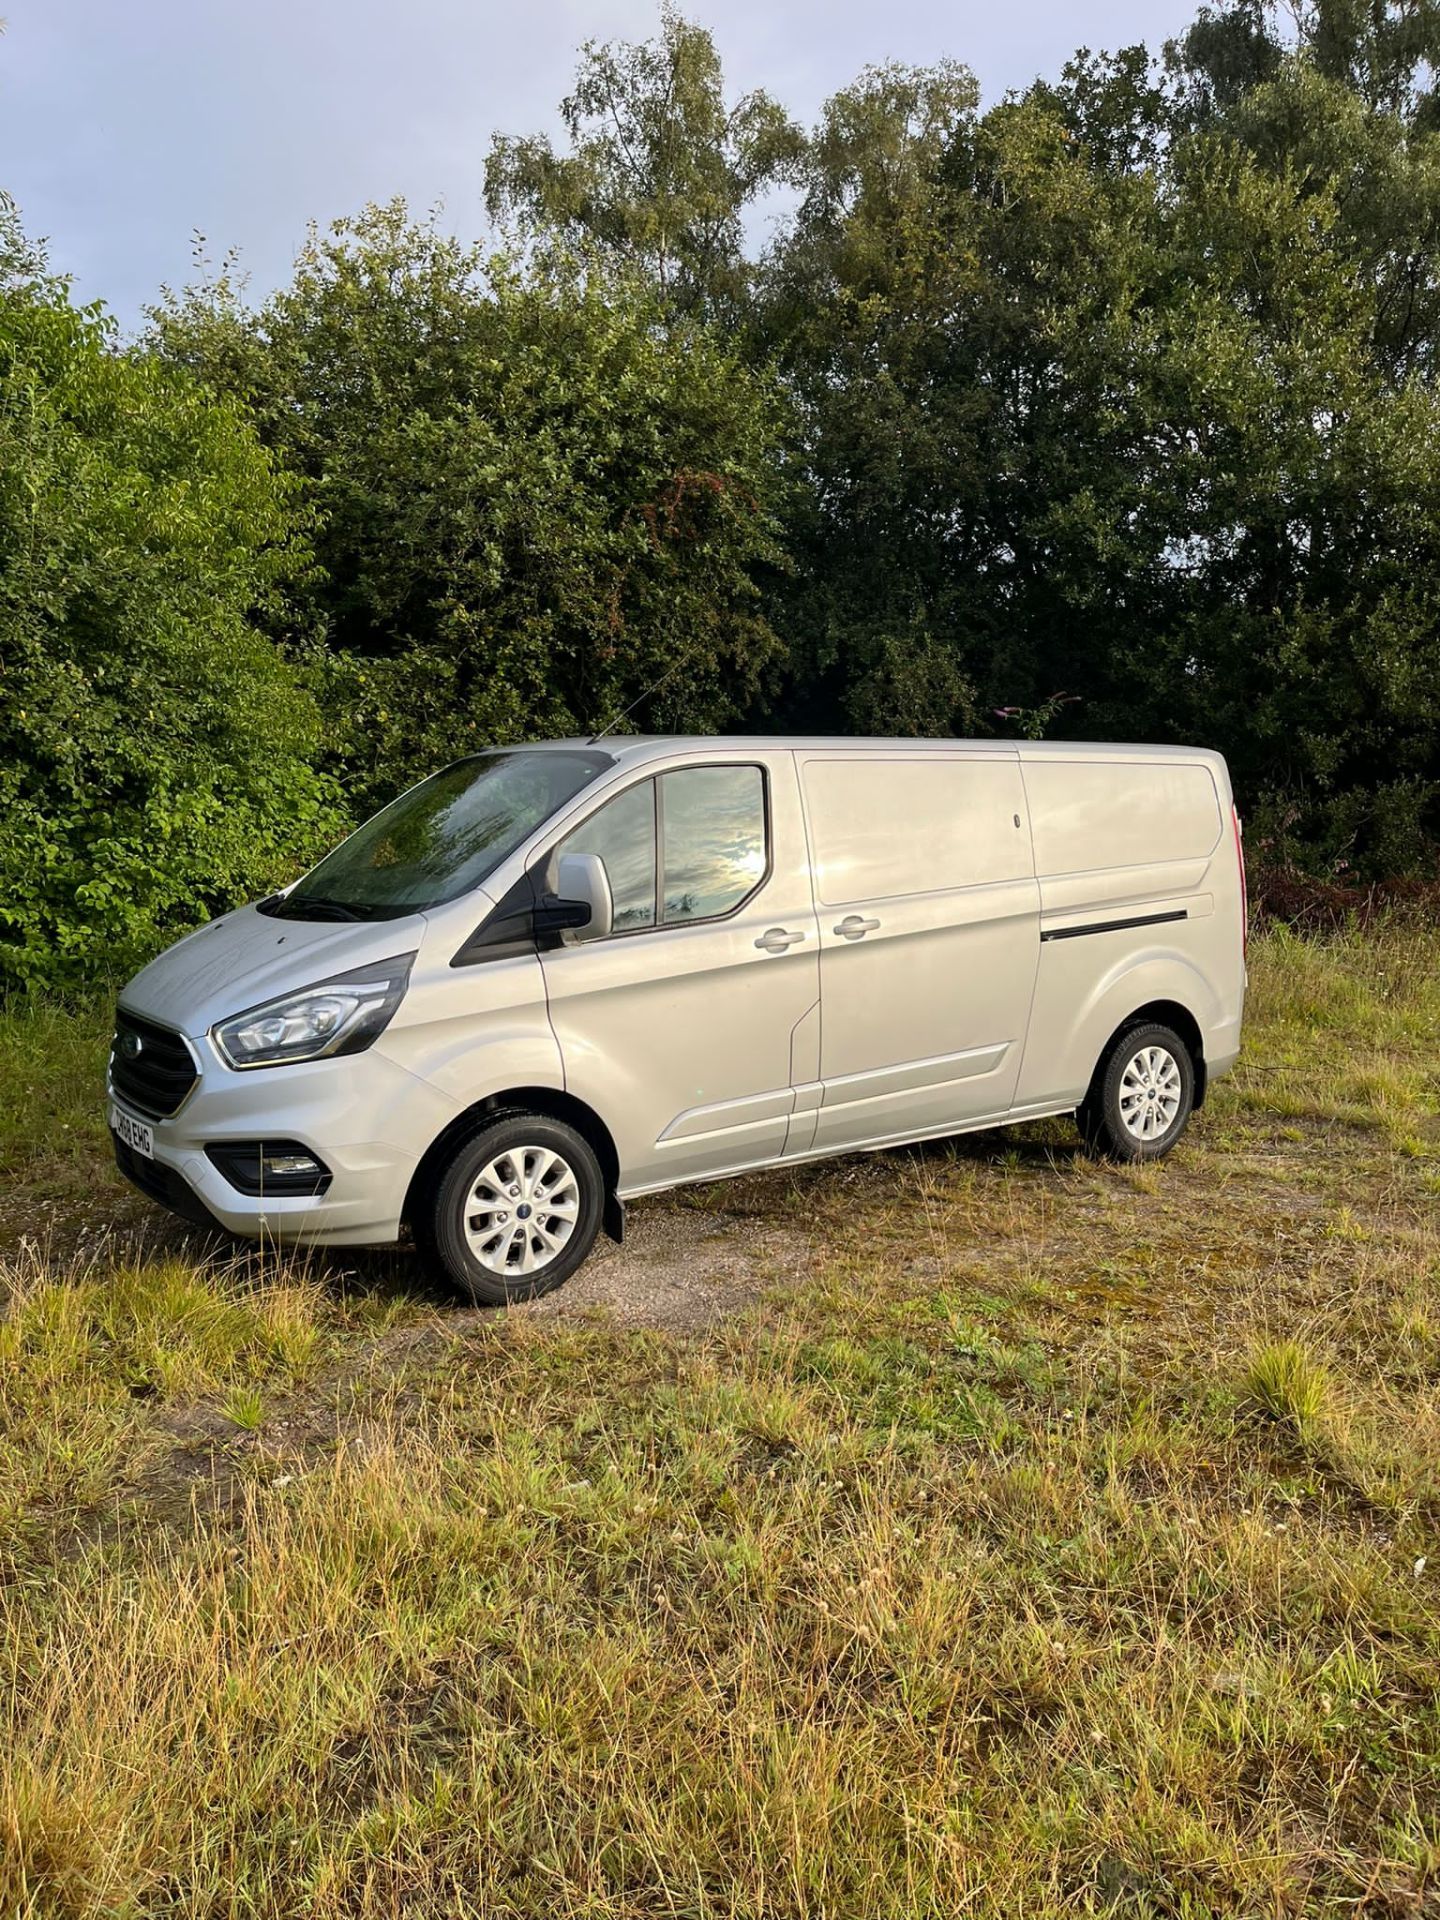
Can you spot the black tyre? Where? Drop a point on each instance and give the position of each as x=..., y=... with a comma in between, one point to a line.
x=1142, y=1095
x=515, y=1211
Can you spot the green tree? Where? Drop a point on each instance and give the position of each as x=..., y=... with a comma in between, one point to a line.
x=1103, y=402
x=1344, y=106
x=1382, y=52
x=21, y=263
x=537, y=492
x=917, y=366
x=1333, y=103
x=661, y=168
x=155, y=748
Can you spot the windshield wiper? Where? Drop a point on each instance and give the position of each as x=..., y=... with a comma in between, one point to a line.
x=303, y=909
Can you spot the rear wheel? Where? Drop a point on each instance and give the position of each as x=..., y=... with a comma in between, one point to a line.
x=515, y=1211
x=1142, y=1095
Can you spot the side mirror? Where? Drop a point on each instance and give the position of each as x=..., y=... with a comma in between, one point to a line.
x=581, y=903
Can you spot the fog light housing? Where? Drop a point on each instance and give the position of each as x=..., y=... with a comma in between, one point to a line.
x=274, y=1167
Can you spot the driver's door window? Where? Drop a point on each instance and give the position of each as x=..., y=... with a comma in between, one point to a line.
x=622, y=832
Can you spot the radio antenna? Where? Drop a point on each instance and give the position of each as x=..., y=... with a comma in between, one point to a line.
x=645, y=692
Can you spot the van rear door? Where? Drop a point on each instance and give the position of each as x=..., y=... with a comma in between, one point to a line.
x=929, y=940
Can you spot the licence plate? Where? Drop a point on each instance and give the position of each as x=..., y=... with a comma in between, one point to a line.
x=135, y=1133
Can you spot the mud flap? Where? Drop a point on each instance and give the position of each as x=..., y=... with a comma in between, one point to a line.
x=613, y=1218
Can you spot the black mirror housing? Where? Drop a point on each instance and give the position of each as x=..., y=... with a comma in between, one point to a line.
x=552, y=917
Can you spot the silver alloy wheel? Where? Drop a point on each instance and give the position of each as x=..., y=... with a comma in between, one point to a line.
x=521, y=1210
x=1151, y=1090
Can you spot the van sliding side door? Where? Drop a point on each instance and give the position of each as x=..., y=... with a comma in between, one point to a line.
x=929, y=927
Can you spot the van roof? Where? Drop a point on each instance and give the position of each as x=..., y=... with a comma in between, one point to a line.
x=640, y=746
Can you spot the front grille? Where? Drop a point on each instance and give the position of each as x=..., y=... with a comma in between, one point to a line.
x=150, y=1067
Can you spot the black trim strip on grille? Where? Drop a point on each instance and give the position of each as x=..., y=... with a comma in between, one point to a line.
x=1112, y=926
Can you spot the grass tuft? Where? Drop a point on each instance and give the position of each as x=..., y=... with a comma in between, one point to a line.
x=1291, y=1386
x=244, y=1407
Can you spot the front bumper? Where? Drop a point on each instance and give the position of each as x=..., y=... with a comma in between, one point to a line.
x=163, y=1184
x=367, y=1118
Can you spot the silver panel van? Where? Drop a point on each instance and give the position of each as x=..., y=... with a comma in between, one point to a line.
x=550, y=978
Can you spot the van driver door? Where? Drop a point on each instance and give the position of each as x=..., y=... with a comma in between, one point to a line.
x=687, y=1027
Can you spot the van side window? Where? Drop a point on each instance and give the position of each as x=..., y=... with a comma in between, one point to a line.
x=622, y=832
x=712, y=828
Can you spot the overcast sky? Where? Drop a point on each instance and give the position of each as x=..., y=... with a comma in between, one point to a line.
x=125, y=125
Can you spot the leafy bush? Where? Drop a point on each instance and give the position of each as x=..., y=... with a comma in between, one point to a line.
x=540, y=494
x=155, y=748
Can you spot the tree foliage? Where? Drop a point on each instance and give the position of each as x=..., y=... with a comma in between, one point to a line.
x=535, y=499
x=661, y=169
x=156, y=750
x=1113, y=406
x=1123, y=389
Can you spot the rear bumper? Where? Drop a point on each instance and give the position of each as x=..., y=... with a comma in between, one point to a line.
x=1222, y=1048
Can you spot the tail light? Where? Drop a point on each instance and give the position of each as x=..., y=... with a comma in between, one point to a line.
x=1244, y=887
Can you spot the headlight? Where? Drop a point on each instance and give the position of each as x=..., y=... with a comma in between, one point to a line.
x=343, y=1015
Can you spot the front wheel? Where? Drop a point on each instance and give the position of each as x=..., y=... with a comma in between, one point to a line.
x=515, y=1211
x=1141, y=1097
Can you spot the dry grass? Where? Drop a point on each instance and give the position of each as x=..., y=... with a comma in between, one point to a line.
x=1064, y=1543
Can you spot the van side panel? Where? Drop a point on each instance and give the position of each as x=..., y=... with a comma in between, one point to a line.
x=1139, y=902
x=1106, y=821
x=885, y=827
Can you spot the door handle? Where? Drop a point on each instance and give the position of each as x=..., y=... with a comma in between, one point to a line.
x=777, y=939
x=852, y=927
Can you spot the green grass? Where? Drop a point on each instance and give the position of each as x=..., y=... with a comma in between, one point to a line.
x=51, y=1122
x=1077, y=1554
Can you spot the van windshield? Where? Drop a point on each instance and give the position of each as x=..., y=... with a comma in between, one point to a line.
x=441, y=838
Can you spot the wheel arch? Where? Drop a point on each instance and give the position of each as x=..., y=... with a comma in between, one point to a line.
x=554, y=1104
x=1169, y=1013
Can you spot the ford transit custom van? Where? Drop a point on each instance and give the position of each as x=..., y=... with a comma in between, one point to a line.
x=551, y=978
